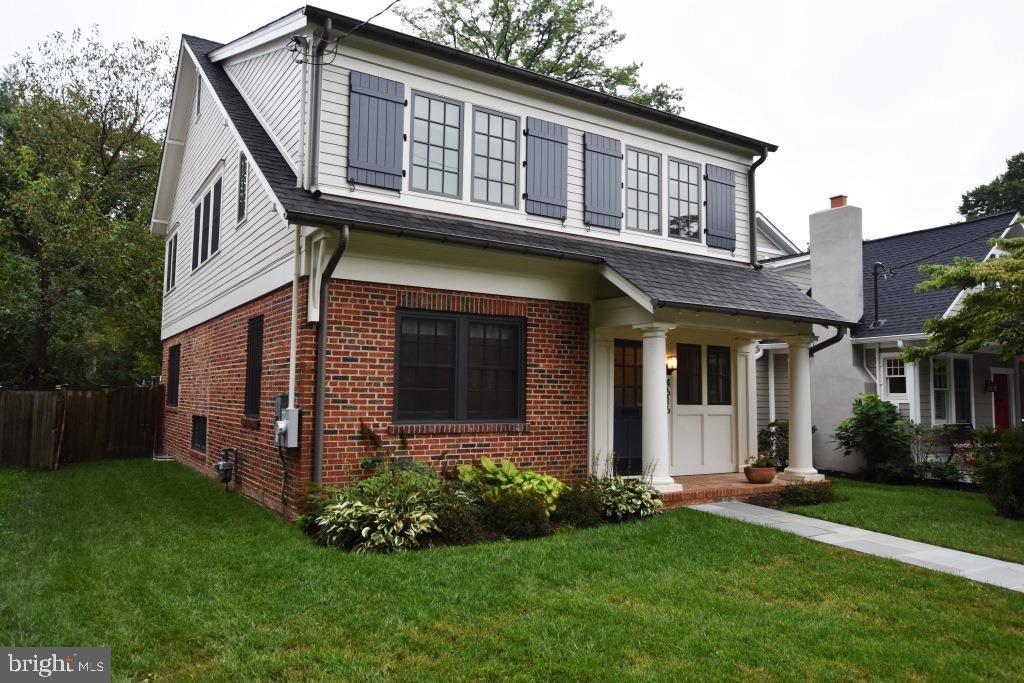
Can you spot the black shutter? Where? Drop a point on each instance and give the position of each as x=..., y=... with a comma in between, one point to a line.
x=254, y=367
x=602, y=181
x=173, y=371
x=375, y=125
x=243, y=181
x=721, y=207
x=204, y=243
x=215, y=220
x=195, y=237
x=547, y=161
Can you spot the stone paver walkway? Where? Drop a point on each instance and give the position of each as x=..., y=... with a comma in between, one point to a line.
x=975, y=567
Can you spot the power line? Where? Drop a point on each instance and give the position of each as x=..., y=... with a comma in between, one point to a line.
x=943, y=251
x=337, y=41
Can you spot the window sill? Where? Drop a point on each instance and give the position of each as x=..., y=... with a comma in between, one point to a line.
x=459, y=428
x=250, y=422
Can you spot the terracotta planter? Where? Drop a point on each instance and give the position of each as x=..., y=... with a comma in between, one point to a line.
x=759, y=475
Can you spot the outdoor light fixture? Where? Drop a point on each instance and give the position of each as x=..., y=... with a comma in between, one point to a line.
x=671, y=363
x=990, y=386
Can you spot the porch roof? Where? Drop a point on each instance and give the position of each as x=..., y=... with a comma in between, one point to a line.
x=668, y=278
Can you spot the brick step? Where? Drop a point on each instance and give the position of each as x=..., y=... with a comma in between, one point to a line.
x=700, y=490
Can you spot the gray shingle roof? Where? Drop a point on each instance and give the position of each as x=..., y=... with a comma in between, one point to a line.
x=668, y=278
x=903, y=309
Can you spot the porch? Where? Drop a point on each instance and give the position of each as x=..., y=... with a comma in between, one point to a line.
x=711, y=488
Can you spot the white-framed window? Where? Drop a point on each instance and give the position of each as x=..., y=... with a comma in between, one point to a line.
x=952, y=390
x=436, y=145
x=171, y=261
x=894, y=374
x=206, y=225
x=684, y=200
x=495, y=158
x=243, y=185
x=199, y=97
x=643, y=191
x=940, y=390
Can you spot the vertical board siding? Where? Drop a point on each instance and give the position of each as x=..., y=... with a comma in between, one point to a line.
x=375, y=131
x=547, y=162
x=272, y=84
x=602, y=180
x=721, y=207
x=248, y=250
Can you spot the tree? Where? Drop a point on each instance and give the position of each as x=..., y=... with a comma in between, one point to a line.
x=79, y=155
x=565, y=39
x=1004, y=193
x=992, y=313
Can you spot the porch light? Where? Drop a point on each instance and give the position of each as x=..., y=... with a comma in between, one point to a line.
x=990, y=386
x=671, y=363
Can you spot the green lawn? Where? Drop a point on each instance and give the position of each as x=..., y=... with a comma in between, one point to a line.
x=184, y=581
x=954, y=519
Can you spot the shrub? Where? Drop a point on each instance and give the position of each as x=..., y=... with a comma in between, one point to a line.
x=623, y=499
x=947, y=471
x=458, y=517
x=515, y=514
x=499, y=479
x=807, y=493
x=999, y=469
x=773, y=440
x=876, y=430
x=579, y=506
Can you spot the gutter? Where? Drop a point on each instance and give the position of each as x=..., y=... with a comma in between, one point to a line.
x=313, y=174
x=321, y=357
x=831, y=341
x=752, y=209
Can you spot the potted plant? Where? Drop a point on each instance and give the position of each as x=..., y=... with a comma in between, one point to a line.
x=760, y=470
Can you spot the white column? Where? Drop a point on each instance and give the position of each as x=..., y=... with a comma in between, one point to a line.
x=602, y=406
x=656, y=450
x=746, y=401
x=801, y=463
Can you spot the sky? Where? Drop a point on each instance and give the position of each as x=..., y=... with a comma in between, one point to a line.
x=902, y=105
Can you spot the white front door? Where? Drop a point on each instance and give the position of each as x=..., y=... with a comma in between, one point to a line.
x=703, y=412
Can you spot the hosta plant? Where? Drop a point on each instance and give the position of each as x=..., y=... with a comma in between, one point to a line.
x=383, y=525
x=498, y=478
x=623, y=499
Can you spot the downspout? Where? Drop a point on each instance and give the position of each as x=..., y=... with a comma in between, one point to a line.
x=293, y=341
x=321, y=357
x=301, y=179
x=313, y=175
x=752, y=208
x=831, y=341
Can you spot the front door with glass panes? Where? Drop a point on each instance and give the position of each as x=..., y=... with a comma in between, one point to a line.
x=703, y=413
x=628, y=427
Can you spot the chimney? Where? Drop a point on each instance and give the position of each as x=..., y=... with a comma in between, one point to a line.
x=836, y=258
x=838, y=201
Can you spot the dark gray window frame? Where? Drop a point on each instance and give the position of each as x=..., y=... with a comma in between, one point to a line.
x=254, y=347
x=625, y=191
x=205, y=207
x=700, y=239
x=700, y=375
x=173, y=375
x=171, y=256
x=728, y=374
x=518, y=161
x=243, y=188
x=196, y=433
x=412, y=142
x=460, y=386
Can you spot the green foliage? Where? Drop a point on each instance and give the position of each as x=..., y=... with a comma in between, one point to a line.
x=80, y=130
x=566, y=39
x=999, y=468
x=516, y=514
x=876, y=430
x=773, y=441
x=1003, y=193
x=807, y=493
x=948, y=471
x=992, y=308
x=459, y=516
x=623, y=499
x=499, y=478
x=579, y=506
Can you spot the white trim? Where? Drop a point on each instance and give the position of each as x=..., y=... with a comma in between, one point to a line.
x=992, y=372
x=628, y=288
x=993, y=251
x=890, y=338
x=790, y=261
x=282, y=27
x=884, y=377
x=771, y=386
x=914, y=389
x=948, y=389
x=208, y=181
x=788, y=246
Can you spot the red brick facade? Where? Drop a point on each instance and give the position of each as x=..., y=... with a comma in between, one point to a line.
x=360, y=367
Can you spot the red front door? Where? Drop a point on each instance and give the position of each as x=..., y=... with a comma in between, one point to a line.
x=1001, y=399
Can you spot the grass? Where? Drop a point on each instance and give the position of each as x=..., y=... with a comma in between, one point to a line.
x=184, y=581
x=954, y=519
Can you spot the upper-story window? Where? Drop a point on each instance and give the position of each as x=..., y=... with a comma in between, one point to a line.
x=171, y=262
x=206, y=226
x=495, y=158
x=683, y=200
x=243, y=185
x=643, y=191
x=436, y=145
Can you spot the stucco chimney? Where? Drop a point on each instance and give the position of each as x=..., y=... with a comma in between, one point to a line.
x=838, y=201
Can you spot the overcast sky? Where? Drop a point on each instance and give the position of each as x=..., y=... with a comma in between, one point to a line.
x=901, y=105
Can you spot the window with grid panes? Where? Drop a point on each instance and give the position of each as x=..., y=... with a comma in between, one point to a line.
x=683, y=200
x=495, y=155
x=643, y=191
x=436, y=145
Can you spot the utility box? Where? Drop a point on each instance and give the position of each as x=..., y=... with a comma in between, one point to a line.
x=286, y=423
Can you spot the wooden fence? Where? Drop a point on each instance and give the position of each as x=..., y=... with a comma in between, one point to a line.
x=47, y=429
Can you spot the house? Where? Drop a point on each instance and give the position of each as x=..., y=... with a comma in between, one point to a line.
x=374, y=239
x=874, y=281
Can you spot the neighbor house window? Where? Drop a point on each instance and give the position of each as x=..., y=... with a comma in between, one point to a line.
x=643, y=191
x=895, y=377
x=683, y=200
x=436, y=145
x=495, y=158
x=171, y=262
x=689, y=373
x=173, y=373
x=962, y=401
x=940, y=389
x=199, y=433
x=719, y=376
x=206, y=226
x=199, y=96
x=243, y=185
x=457, y=367
x=253, y=367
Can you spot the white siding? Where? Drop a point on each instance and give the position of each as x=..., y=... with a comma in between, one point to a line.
x=254, y=256
x=271, y=83
x=420, y=73
x=799, y=275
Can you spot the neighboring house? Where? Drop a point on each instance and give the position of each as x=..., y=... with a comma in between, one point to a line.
x=453, y=257
x=841, y=270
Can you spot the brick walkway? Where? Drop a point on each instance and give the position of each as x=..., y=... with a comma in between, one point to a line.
x=707, y=488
